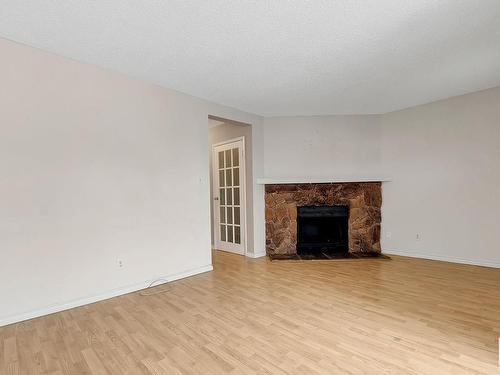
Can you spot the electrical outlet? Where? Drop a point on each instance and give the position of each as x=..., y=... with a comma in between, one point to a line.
x=388, y=235
x=120, y=263
x=417, y=236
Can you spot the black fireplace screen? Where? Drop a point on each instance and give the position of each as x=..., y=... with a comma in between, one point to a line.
x=322, y=228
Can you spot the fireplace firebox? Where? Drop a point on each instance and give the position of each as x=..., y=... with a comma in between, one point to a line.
x=322, y=229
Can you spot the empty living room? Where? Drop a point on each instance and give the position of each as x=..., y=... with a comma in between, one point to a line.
x=247, y=187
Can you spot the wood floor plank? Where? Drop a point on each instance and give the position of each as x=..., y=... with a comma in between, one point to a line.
x=253, y=316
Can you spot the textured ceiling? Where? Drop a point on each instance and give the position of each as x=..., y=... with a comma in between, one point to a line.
x=278, y=57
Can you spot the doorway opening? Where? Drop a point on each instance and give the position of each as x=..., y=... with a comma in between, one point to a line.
x=230, y=185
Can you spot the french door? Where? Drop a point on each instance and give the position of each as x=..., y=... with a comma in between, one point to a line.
x=229, y=196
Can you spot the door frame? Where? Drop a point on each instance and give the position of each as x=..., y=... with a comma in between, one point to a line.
x=243, y=192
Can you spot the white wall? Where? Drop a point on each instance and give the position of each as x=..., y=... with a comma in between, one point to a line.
x=444, y=159
x=321, y=146
x=97, y=167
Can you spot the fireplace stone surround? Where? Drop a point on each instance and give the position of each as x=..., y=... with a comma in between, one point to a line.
x=364, y=200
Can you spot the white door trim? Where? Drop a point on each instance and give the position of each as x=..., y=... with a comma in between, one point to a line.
x=243, y=188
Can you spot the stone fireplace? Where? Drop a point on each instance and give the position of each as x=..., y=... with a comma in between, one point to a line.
x=361, y=200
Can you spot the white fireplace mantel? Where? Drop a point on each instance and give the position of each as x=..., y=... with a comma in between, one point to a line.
x=320, y=180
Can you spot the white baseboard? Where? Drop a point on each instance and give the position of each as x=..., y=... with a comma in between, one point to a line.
x=102, y=296
x=256, y=255
x=473, y=262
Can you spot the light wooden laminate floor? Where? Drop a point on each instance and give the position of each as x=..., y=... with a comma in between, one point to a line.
x=251, y=316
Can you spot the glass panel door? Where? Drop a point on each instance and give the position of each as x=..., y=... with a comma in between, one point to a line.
x=229, y=213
